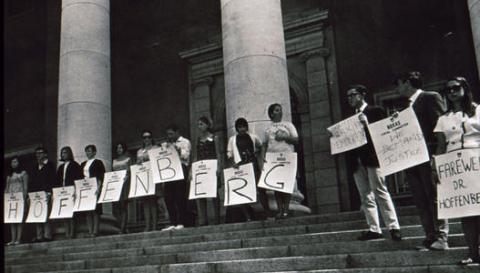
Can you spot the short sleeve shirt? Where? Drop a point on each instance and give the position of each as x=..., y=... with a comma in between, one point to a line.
x=283, y=127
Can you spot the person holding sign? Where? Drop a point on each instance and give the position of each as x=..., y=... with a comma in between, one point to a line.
x=123, y=162
x=17, y=181
x=368, y=178
x=67, y=173
x=459, y=128
x=281, y=136
x=93, y=167
x=428, y=107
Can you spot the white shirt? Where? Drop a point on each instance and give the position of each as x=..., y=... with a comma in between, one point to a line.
x=232, y=149
x=284, y=127
x=86, y=169
x=414, y=97
x=364, y=105
x=65, y=172
x=183, y=145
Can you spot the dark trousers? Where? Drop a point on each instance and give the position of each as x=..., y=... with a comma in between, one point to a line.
x=178, y=206
x=424, y=193
x=471, y=230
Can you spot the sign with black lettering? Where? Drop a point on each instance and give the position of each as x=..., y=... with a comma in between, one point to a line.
x=141, y=181
x=166, y=164
x=240, y=185
x=459, y=188
x=279, y=172
x=38, y=209
x=14, y=207
x=63, y=202
x=112, y=186
x=86, y=194
x=398, y=142
x=204, y=179
x=347, y=134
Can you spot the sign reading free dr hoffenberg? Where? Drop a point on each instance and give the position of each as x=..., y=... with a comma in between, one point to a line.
x=459, y=188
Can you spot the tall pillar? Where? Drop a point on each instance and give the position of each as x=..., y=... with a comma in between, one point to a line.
x=474, y=9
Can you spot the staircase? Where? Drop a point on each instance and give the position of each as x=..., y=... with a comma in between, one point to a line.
x=317, y=243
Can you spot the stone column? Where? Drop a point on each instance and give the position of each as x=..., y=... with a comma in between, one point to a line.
x=474, y=9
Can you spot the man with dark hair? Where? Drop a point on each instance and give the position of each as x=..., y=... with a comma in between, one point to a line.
x=428, y=107
x=368, y=178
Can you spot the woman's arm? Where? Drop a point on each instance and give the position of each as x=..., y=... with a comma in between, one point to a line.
x=25, y=183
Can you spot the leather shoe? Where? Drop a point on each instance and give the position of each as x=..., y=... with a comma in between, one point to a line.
x=396, y=234
x=439, y=245
x=369, y=235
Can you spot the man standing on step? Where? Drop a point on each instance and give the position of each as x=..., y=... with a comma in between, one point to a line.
x=370, y=182
x=428, y=107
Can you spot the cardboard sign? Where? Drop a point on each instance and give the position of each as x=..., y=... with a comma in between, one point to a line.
x=279, y=172
x=459, y=188
x=112, y=186
x=63, y=202
x=398, y=142
x=14, y=208
x=240, y=185
x=86, y=194
x=141, y=181
x=347, y=135
x=38, y=209
x=204, y=179
x=165, y=163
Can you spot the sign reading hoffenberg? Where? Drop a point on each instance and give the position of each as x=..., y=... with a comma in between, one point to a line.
x=347, y=134
x=165, y=163
x=86, y=194
x=240, y=185
x=279, y=172
x=112, y=186
x=63, y=202
x=141, y=182
x=14, y=208
x=398, y=142
x=459, y=188
x=38, y=209
x=204, y=179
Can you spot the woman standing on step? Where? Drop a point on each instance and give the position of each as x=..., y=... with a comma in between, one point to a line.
x=122, y=162
x=17, y=181
x=459, y=128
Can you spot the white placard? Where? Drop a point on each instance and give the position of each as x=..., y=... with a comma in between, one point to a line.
x=165, y=163
x=63, y=202
x=347, y=134
x=459, y=188
x=112, y=186
x=399, y=142
x=86, y=194
x=204, y=179
x=141, y=181
x=14, y=208
x=38, y=209
x=279, y=172
x=240, y=185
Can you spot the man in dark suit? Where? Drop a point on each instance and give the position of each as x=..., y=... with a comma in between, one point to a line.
x=428, y=107
x=368, y=178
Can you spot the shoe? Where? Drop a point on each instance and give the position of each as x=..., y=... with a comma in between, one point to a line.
x=16, y=243
x=168, y=228
x=47, y=239
x=468, y=261
x=439, y=245
x=369, y=235
x=37, y=240
x=177, y=227
x=396, y=235
x=10, y=243
x=425, y=245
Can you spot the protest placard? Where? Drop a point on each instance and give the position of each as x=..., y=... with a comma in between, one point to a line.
x=86, y=194
x=141, y=181
x=112, y=186
x=279, y=172
x=399, y=142
x=14, y=208
x=204, y=179
x=165, y=163
x=240, y=185
x=38, y=209
x=347, y=134
x=63, y=202
x=459, y=188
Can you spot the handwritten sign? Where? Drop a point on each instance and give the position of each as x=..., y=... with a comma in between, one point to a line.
x=112, y=186
x=398, y=142
x=240, y=185
x=459, y=188
x=141, y=181
x=165, y=163
x=204, y=180
x=86, y=194
x=14, y=208
x=63, y=202
x=279, y=172
x=347, y=135
x=38, y=209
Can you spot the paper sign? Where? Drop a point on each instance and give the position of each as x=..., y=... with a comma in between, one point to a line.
x=279, y=172
x=459, y=188
x=166, y=165
x=141, y=182
x=14, y=207
x=63, y=202
x=85, y=194
x=112, y=186
x=38, y=209
x=347, y=135
x=398, y=142
x=240, y=185
x=204, y=179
